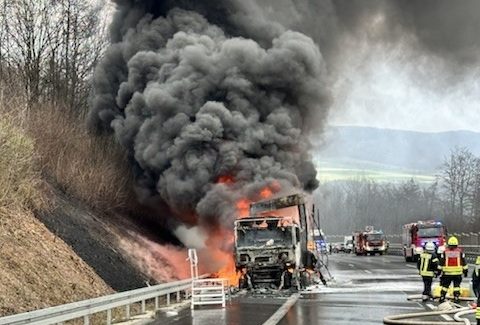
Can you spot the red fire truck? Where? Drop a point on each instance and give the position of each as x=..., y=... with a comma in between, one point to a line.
x=415, y=235
x=369, y=242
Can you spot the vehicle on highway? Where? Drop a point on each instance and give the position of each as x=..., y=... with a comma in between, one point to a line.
x=415, y=235
x=369, y=242
x=338, y=247
x=275, y=244
x=348, y=244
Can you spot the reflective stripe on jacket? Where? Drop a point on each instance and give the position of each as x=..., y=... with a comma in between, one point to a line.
x=427, y=264
x=453, y=262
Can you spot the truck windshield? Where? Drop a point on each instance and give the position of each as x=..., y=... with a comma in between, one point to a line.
x=429, y=232
x=257, y=237
x=375, y=237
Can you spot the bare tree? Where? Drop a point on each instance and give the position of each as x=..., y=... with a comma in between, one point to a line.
x=458, y=176
x=52, y=46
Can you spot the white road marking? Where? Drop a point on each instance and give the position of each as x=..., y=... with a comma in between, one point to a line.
x=351, y=265
x=368, y=271
x=446, y=317
x=412, y=266
x=282, y=311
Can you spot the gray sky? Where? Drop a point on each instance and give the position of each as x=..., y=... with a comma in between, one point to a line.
x=395, y=63
x=414, y=68
x=394, y=86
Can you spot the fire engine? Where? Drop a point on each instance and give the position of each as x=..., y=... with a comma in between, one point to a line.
x=370, y=242
x=415, y=235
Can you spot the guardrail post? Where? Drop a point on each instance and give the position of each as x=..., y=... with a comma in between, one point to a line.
x=109, y=317
x=168, y=299
x=86, y=320
x=156, y=303
x=127, y=311
x=143, y=306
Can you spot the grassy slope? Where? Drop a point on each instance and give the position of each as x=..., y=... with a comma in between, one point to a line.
x=37, y=268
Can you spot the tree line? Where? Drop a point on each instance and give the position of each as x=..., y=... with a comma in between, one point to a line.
x=454, y=198
x=49, y=48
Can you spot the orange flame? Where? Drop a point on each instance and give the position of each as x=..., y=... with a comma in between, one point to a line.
x=265, y=193
x=221, y=238
x=229, y=272
x=243, y=207
x=226, y=179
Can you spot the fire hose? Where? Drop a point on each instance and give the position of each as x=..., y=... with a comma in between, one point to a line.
x=443, y=309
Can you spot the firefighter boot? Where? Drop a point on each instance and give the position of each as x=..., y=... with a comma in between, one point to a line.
x=443, y=294
x=456, y=295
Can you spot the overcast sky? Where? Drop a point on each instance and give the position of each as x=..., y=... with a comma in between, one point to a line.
x=394, y=87
x=423, y=78
x=394, y=63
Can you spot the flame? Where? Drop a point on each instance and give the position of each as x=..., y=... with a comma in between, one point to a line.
x=229, y=272
x=266, y=193
x=226, y=179
x=220, y=244
x=221, y=240
x=243, y=207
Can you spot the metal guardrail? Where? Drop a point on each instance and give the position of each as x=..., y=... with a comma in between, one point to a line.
x=85, y=309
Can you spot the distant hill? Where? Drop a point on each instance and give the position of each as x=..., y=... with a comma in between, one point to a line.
x=386, y=149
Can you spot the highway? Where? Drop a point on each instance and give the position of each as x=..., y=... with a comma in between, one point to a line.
x=364, y=290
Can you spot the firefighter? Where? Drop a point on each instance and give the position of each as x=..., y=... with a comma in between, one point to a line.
x=427, y=266
x=476, y=287
x=452, y=265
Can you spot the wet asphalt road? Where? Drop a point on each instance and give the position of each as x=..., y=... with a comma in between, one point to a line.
x=364, y=290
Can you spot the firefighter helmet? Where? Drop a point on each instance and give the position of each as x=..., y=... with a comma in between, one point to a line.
x=430, y=247
x=452, y=241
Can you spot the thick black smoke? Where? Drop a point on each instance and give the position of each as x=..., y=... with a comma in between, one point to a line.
x=200, y=91
x=442, y=28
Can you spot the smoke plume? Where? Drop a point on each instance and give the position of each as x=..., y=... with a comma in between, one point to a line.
x=213, y=102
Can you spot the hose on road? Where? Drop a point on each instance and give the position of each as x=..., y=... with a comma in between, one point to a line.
x=402, y=319
x=444, y=309
x=419, y=297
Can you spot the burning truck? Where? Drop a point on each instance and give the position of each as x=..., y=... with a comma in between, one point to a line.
x=275, y=244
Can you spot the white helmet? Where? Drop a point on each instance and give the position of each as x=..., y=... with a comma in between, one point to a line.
x=430, y=246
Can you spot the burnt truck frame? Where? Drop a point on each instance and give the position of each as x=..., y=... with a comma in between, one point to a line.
x=271, y=250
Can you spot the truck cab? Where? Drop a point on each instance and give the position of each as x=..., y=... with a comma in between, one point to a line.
x=265, y=247
x=275, y=244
